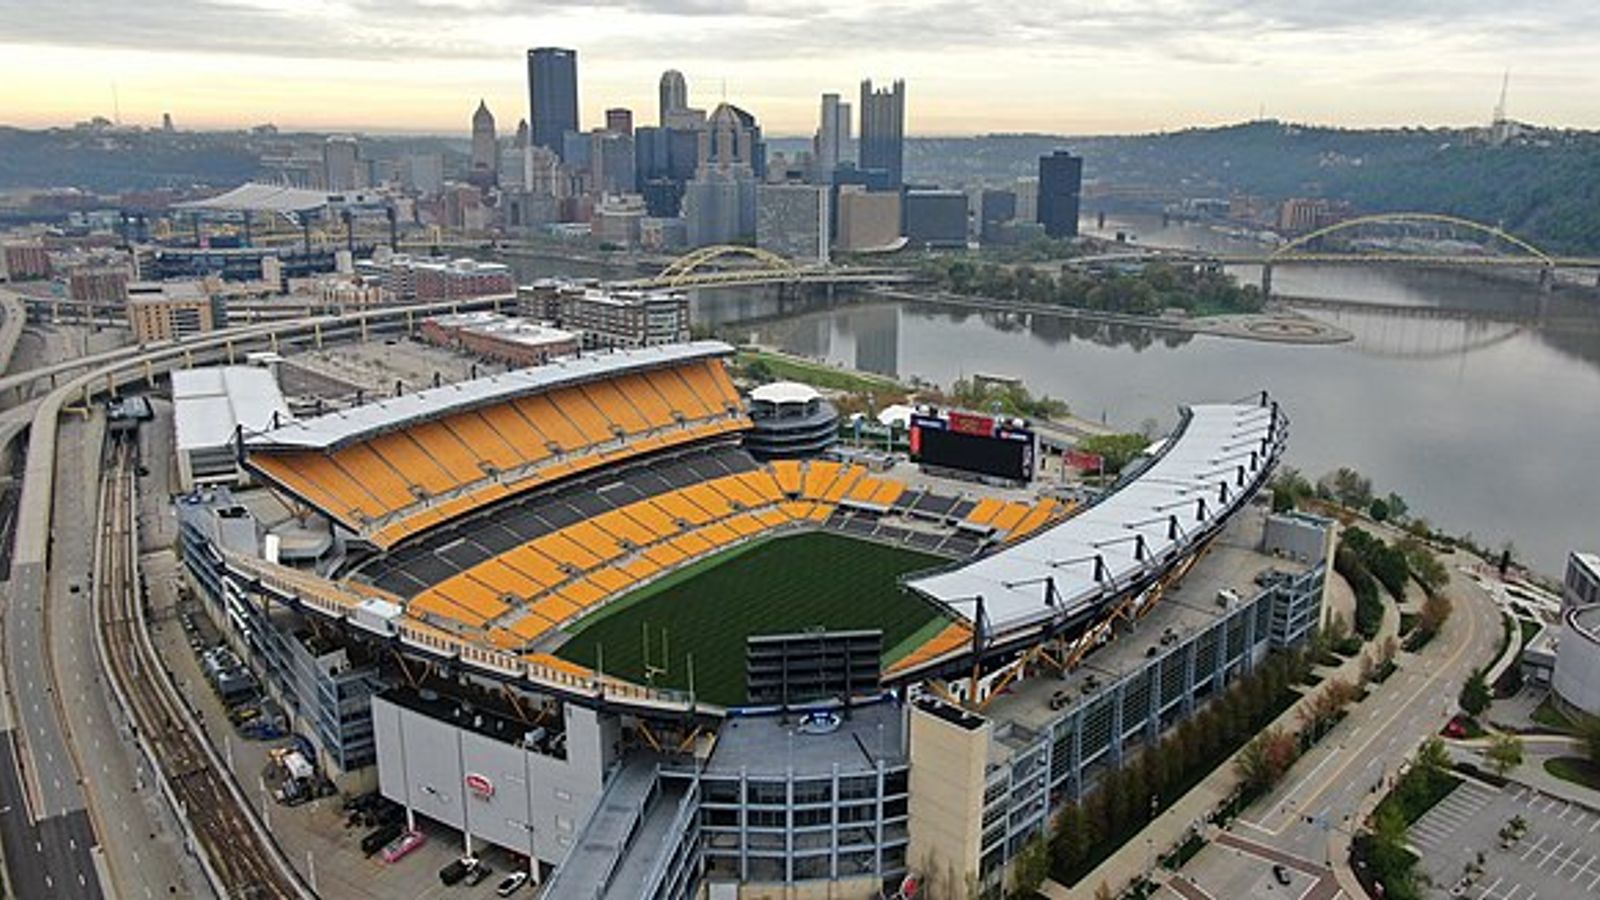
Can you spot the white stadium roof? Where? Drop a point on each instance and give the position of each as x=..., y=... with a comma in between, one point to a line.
x=253, y=197
x=208, y=403
x=325, y=432
x=1212, y=465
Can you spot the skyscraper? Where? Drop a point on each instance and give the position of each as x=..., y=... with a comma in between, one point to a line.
x=552, y=94
x=1060, y=184
x=883, y=130
x=833, y=137
x=485, y=153
x=619, y=120
x=674, y=92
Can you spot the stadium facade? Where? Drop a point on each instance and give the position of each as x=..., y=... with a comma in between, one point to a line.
x=469, y=530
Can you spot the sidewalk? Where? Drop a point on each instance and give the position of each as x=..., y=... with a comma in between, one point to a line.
x=1136, y=857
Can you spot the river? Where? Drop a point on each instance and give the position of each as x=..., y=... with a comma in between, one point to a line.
x=1484, y=424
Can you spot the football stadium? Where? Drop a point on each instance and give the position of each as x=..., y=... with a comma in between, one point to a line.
x=565, y=613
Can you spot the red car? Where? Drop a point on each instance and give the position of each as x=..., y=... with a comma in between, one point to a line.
x=405, y=843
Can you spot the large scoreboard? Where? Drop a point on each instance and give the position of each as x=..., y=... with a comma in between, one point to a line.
x=992, y=446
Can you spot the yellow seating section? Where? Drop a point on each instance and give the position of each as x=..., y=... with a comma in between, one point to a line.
x=788, y=473
x=517, y=597
x=386, y=486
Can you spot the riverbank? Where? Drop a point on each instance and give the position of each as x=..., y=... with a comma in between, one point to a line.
x=1278, y=327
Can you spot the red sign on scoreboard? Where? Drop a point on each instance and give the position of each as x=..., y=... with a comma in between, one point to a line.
x=967, y=423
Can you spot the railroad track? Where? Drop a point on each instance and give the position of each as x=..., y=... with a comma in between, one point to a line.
x=238, y=861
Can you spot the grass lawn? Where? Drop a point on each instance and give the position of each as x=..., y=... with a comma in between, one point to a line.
x=785, y=584
x=1575, y=769
x=789, y=368
x=1552, y=719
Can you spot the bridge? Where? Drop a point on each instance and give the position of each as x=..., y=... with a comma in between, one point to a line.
x=707, y=268
x=1499, y=249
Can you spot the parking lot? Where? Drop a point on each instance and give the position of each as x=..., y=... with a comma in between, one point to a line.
x=1557, y=856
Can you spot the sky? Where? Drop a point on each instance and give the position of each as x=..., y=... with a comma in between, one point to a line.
x=1057, y=66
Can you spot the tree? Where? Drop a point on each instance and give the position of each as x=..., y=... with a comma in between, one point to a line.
x=1435, y=611
x=1074, y=840
x=1032, y=866
x=1397, y=506
x=1116, y=449
x=1349, y=487
x=1265, y=759
x=1475, y=694
x=1504, y=753
x=1379, y=510
x=1433, y=758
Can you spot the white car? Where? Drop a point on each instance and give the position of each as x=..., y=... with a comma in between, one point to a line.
x=511, y=883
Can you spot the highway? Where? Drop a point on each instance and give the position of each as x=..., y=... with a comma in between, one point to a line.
x=45, y=776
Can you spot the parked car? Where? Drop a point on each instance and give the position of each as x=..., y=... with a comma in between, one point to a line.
x=509, y=884
x=1280, y=873
x=478, y=875
x=457, y=870
x=397, y=849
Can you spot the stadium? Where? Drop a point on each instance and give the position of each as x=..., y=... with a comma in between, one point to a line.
x=578, y=621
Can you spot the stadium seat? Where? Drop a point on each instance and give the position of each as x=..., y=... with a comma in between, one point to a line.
x=615, y=407
x=680, y=509
x=1007, y=518
x=788, y=474
x=564, y=550
x=610, y=579
x=985, y=511
x=509, y=423
x=707, y=498
x=847, y=478
x=692, y=543
x=763, y=484
x=473, y=431
x=551, y=423
x=555, y=608
x=402, y=453
x=646, y=399
x=820, y=475
x=589, y=536
x=620, y=527
x=771, y=518
x=640, y=568
x=582, y=592
x=678, y=395
x=462, y=464
x=864, y=489
x=591, y=425
x=359, y=463
x=535, y=565
x=666, y=554
x=746, y=524
x=659, y=524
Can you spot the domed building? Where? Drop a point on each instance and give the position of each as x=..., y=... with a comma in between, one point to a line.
x=791, y=421
x=1576, y=679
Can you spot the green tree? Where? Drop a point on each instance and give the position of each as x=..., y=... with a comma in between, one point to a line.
x=1505, y=752
x=1031, y=868
x=1475, y=695
x=1379, y=510
x=1433, y=758
x=1073, y=842
x=1116, y=449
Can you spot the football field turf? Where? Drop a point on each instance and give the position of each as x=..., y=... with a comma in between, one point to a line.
x=781, y=585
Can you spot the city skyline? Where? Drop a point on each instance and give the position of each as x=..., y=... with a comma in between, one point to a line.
x=1107, y=70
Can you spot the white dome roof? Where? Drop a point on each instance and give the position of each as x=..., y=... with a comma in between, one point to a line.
x=782, y=392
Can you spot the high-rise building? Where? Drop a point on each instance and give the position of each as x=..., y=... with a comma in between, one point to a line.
x=936, y=218
x=832, y=144
x=611, y=159
x=1060, y=186
x=1028, y=198
x=485, y=151
x=674, y=94
x=552, y=94
x=719, y=205
x=868, y=220
x=883, y=130
x=341, y=162
x=792, y=221
x=995, y=208
x=619, y=120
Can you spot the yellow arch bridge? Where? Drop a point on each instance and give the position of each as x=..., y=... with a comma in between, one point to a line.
x=733, y=265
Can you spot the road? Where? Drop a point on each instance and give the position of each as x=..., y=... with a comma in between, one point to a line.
x=1309, y=818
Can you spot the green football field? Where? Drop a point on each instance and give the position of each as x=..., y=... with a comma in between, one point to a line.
x=786, y=584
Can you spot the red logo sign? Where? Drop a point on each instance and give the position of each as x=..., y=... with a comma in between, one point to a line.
x=480, y=786
x=967, y=423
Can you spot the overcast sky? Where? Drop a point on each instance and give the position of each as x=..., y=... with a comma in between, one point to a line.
x=1063, y=66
